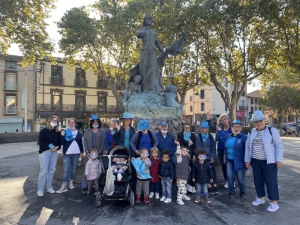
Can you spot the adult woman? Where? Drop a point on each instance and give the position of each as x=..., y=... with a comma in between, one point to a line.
x=71, y=140
x=110, y=142
x=222, y=134
x=49, y=145
x=234, y=158
x=94, y=138
x=264, y=152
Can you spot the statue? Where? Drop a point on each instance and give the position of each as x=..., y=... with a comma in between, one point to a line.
x=134, y=86
x=170, y=98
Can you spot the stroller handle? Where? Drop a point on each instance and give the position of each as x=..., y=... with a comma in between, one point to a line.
x=115, y=156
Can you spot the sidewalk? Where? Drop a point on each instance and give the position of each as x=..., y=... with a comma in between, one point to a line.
x=19, y=167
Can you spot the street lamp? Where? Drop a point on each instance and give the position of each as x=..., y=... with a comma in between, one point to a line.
x=25, y=116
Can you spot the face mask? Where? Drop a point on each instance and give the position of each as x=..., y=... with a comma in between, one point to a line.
x=164, y=131
x=53, y=124
x=71, y=128
x=111, y=128
x=95, y=126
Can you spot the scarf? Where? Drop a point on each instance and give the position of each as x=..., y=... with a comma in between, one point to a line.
x=204, y=137
x=186, y=136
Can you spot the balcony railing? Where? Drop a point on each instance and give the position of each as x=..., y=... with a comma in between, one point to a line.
x=10, y=86
x=242, y=107
x=80, y=83
x=77, y=108
x=56, y=80
x=10, y=110
x=102, y=84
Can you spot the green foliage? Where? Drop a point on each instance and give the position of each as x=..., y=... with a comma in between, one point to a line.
x=23, y=23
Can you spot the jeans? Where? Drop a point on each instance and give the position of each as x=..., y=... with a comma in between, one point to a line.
x=200, y=187
x=154, y=187
x=223, y=165
x=84, y=182
x=213, y=171
x=70, y=163
x=231, y=175
x=166, y=187
x=48, y=161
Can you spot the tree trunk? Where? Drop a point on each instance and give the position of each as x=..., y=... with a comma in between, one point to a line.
x=232, y=112
x=112, y=85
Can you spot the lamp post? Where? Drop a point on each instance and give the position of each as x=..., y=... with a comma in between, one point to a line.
x=25, y=99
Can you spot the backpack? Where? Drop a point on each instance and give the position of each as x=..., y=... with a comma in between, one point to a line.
x=269, y=128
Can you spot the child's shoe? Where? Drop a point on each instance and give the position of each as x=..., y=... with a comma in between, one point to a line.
x=88, y=192
x=71, y=185
x=197, y=200
x=180, y=202
x=157, y=195
x=163, y=198
x=146, y=199
x=138, y=199
x=168, y=200
x=207, y=200
x=186, y=198
x=151, y=195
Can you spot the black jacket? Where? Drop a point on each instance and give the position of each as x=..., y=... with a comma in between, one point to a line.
x=202, y=172
x=166, y=169
x=47, y=137
x=121, y=134
x=183, y=142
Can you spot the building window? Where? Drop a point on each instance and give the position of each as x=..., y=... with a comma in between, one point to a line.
x=202, y=106
x=56, y=100
x=256, y=101
x=56, y=74
x=226, y=108
x=251, y=109
x=243, y=94
x=10, y=82
x=120, y=83
x=80, y=77
x=10, y=64
x=191, y=98
x=102, y=83
x=255, y=108
x=79, y=100
x=191, y=108
x=226, y=82
x=251, y=100
x=102, y=101
x=202, y=94
x=10, y=104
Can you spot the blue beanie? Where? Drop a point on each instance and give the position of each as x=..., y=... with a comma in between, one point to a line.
x=204, y=124
x=258, y=115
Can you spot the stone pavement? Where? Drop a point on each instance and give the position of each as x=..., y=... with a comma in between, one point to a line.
x=19, y=204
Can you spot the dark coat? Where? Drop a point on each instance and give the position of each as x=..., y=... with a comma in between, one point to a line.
x=47, y=137
x=183, y=168
x=202, y=172
x=209, y=145
x=66, y=144
x=182, y=142
x=154, y=169
x=166, y=169
x=121, y=135
x=166, y=143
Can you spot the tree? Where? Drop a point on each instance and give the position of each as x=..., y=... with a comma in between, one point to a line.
x=23, y=23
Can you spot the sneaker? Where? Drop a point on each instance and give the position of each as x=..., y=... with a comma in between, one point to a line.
x=189, y=188
x=207, y=200
x=71, y=185
x=157, y=195
x=226, y=184
x=40, y=193
x=62, y=189
x=51, y=191
x=186, y=198
x=84, y=190
x=231, y=195
x=258, y=201
x=138, y=199
x=168, y=200
x=273, y=207
x=193, y=190
x=197, y=199
x=146, y=199
x=216, y=190
x=180, y=202
x=243, y=195
x=163, y=198
x=151, y=195
x=88, y=192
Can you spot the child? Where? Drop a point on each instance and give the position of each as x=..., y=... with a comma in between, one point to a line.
x=182, y=172
x=134, y=86
x=142, y=165
x=166, y=173
x=93, y=171
x=201, y=174
x=120, y=169
x=155, y=181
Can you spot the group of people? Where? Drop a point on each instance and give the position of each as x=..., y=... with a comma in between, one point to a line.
x=186, y=163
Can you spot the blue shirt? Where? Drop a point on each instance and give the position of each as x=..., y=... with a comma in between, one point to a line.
x=230, y=147
x=221, y=137
x=145, y=142
x=126, y=139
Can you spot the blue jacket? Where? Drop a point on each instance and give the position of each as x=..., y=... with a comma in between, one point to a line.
x=142, y=168
x=66, y=144
x=166, y=169
x=239, y=151
x=166, y=143
x=221, y=138
x=209, y=145
x=109, y=139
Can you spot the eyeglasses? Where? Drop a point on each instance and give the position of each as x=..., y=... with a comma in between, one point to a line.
x=145, y=154
x=258, y=121
x=202, y=157
x=93, y=155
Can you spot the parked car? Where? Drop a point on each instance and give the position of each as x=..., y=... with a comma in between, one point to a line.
x=277, y=126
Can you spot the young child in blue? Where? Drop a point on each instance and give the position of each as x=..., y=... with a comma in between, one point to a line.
x=201, y=174
x=166, y=173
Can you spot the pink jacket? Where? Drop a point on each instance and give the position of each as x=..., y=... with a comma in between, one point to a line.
x=93, y=169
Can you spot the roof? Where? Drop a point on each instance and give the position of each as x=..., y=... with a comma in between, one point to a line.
x=254, y=94
x=18, y=57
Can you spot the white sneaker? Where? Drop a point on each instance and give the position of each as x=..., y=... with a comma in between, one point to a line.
x=163, y=198
x=119, y=177
x=186, y=198
x=40, y=193
x=226, y=184
x=168, y=200
x=151, y=195
x=258, y=201
x=71, y=185
x=194, y=190
x=179, y=202
x=62, y=189
x=157, y=195
x=273, y=207
x=51, y=191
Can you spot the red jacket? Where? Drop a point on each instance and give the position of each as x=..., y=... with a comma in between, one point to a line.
x=154, y=169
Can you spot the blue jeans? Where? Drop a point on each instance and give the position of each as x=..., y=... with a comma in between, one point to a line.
x=231, y=175
x=48, y=161
x=70, y=163
x=200, y=187
x=223, y=165
x=213, y=171
x=166, y=187
x=154, y=187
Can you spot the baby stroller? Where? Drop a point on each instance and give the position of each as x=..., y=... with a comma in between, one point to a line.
x=123, y=187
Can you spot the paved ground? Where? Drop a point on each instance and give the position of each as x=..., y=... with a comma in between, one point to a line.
x=19, y=203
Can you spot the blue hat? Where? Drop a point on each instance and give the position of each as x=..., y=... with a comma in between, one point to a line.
x=163, y=123
x=258, y=115
x=68, y=135
x=143, y=125
x=126, y=115
x=237, y=122
x=94, y=117
x=204, y=124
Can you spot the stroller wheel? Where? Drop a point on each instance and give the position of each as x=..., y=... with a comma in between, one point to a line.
x=98, y=199
x=131, y=199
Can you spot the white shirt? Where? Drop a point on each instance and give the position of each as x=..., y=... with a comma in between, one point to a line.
x=74, y=148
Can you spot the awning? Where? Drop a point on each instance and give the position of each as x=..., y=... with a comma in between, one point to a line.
x=11, y=120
